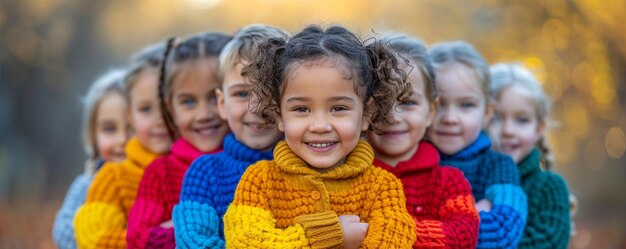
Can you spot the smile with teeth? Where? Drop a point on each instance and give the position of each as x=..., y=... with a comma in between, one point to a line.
x=508, y=147
x=321, y=145
x=206, y=130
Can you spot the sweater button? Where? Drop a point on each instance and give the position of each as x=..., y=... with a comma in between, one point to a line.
x=316, y=195
x=419, y=209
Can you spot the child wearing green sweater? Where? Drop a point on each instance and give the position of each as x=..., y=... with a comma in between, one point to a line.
x=517, y=130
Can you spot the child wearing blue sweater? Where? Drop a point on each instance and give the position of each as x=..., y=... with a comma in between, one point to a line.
x=104, y=137
x=209, y=184
x=462, y=76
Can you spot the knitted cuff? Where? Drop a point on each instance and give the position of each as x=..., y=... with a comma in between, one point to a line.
x=322, y=229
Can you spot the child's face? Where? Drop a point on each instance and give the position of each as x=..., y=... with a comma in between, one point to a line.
x=400, y=141
x=515, y=127
x=233, y=99
x=462, y=111
x=110, y=127
x=194, y=106
x=145, y=114
x=321, y=114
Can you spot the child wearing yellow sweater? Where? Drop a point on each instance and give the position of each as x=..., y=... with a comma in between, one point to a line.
x=101, y=221
x=323, y=89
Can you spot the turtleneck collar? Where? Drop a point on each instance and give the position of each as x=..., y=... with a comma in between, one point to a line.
x=530, y=164
x=480, y=145
x=138, y=154
x=186, y=152
x=426, y=157
x=356, y=162
x=242, y=152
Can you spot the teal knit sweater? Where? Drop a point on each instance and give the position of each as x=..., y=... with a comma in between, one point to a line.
x=548, y=221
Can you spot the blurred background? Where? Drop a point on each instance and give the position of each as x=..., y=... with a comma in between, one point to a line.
x=52, y=50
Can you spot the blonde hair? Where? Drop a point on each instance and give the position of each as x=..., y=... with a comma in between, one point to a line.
x=244, y=45
x=110, y=82
x=448, y=53
x=505, y=75
x=150, y=57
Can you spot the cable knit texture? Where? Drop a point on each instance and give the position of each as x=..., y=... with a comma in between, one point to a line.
x=439, y=199
x=208, y=189
x=158, y=192
x=493, y=176
x=285, y=203
x=101, y=221
x=548, y=223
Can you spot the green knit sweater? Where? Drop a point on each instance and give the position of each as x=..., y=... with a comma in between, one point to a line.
x=548, y=221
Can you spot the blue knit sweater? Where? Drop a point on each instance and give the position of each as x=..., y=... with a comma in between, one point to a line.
x=493, y=176
x=63, y=229
x=208, y=188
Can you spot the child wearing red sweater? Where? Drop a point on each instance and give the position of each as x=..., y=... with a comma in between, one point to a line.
x=438, y=197
x=187, y=97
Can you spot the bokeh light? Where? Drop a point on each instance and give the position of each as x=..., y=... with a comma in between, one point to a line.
x=50, y=52
x=615, y=143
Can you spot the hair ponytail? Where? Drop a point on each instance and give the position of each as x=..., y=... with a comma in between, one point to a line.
x=547, y=159
x=165, y=114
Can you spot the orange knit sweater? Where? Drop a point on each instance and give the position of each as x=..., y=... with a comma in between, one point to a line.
x=285, y=203
x=101, y=221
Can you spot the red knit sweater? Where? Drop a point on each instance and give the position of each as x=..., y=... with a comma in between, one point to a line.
x=439, y=199
x=158, y=192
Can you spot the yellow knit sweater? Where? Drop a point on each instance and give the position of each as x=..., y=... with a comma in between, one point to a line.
x=285, y=204
x=101, y=221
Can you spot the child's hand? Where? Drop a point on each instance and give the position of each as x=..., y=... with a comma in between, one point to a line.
x=167, y=224
x=483, y=205
x=354, y=230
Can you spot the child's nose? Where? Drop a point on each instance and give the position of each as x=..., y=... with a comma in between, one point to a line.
x=507, y=128
x=320, y=124
x=207, y=112
x=121, y=137
x=395, y=116
x=449, y=116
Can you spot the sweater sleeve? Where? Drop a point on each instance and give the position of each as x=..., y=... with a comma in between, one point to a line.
x=63, y=229
x=101, y=222
x=548, y=225
x=196, y=221
x=457, y=226
x=248, y=223
x=146, y=215
x=503, y=225
x=390, y=224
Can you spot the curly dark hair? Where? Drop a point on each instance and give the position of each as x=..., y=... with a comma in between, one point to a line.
x=204, y=45
x=374, y=70
x=414, y=53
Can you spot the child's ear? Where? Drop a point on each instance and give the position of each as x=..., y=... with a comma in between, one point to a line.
x=489, y=110
x=279, y=122
x=432, y=112
x=221, y=107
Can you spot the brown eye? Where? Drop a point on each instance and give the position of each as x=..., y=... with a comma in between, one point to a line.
x=338, y=108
